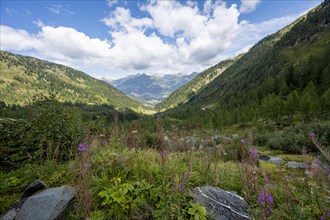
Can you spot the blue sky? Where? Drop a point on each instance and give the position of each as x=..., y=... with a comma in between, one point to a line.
x=114, y=38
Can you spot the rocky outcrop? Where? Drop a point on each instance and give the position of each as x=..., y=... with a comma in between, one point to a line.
x=271, y=159
x=49, y=204
x=298, y=165
x=221, y=204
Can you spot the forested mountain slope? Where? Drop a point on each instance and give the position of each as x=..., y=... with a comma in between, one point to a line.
x=183, y=94
x=285, y=74
x=22, y=78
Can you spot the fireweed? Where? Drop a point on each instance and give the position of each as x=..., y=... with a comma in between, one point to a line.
x=265, y=200
x=83, y=180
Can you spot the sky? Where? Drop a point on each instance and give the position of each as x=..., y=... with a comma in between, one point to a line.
x=113, y=38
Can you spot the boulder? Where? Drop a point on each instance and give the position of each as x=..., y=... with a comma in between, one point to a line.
x=34, y=187
x=221, y=204
x=298, y=165
x=275, y=160
x=49, y=204
x=226, y=140
x=264, y=157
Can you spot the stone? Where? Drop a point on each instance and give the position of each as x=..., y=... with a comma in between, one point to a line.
x=226, y=140
x=221, y=204
x=275, y=160
x=34, y=187
x=10, y=215
x=298, y=165
x=264, y=157
x=49, y=204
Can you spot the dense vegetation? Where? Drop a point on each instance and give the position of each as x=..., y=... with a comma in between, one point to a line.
x=25, y=77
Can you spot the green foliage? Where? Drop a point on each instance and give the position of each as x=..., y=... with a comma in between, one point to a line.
x=197, y=212
x=50, y=131
x=24, y=77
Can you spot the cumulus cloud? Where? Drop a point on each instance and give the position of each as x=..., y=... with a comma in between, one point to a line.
x=248, y=5
x=171, y=37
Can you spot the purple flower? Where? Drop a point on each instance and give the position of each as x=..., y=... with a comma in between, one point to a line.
x=312, y=135
x=165, y=153
x=265, y=197
x=82, y=147
x=253, y=153
x=87, y=166
x=328, y=214
x=321, y=218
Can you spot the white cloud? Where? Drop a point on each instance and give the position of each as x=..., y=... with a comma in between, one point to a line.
x=248, y=5
x=170, y=38
x=110, y=3
x=11, y=11
x=56, y=9
x=39, y=23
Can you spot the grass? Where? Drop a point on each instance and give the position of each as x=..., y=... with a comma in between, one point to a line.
x=130, y=183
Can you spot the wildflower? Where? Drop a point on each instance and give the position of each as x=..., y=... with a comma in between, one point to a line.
x=265, y=197
x=243, y=141
x=182, y=180
x=87, y=166
x=312, y=135
x=321, y=218
x=328, y=214
x=253, y=153
x=82, y=147
x=164, y=153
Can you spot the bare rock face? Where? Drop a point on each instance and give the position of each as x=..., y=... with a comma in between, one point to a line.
x=49, y=204
x=221, y=204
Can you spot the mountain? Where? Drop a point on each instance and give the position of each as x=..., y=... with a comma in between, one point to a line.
x=150, y=89
x=183, y=94
x=23, y=78
x=285, y=74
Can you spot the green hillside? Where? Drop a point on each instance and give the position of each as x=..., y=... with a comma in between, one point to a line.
x=183, y=94
x=285, y=74
x=23, y=78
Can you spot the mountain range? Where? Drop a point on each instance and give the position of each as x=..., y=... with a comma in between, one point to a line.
x=150, y=89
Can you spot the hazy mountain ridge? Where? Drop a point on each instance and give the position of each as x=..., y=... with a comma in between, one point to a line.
x=24, y=77
x=150, y=89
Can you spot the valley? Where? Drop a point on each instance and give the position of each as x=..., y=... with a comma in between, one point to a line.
x=247, y=138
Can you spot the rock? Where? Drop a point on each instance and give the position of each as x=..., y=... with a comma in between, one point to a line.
x=298, y=165
x=34, y=187
x=49, y=204
x=275, y=160
x=264, y=157
x=226, y=140
x=221, y=204
x=216, y=139
x=10, y=215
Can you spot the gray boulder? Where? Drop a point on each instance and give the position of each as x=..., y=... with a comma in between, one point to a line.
x=221, y=204
x=276, y=160
x=264, y=157
x=49, y=204
x=34, y=187
x=298, y=165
